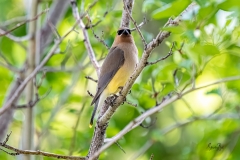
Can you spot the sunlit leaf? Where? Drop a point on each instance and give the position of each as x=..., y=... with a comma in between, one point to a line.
x=171, y=9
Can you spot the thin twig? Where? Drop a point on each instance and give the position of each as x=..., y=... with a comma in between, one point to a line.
x=30, y=104
x=120, y=147
x=72, y=146
x=17, y=93
x=88, y=9
x=106, y=114
x=30, y=152
x=8, y=65
x=90, y=94
x=211, y=116
x=90, y=78
x=188, y=106
x=54, y=29
x=135, y=24
x=158, y=108
x=7, y=138
x=63, y=97
x=132, y=104
x=96, y=36
x=14, y=38
x=41, y=80
x=163, y=58
x=13, y=20
x=56, y=13
x=22, y=23
x=38, y=152
x=95, y=24
x=141, y=24
x=85, y=34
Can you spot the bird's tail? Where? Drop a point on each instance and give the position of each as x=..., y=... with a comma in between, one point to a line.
x=93, y=113
x=98, y=104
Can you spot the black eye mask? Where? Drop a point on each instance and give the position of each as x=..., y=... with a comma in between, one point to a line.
x=124, y=31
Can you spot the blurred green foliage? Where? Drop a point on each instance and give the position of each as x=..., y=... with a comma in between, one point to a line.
x=207, y=48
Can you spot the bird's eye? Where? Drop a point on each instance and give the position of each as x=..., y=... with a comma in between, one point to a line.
x=119, y=32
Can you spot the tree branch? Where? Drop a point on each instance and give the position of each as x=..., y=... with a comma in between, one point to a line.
x=38, y=152
x=13, y=20
x=19, y=90
x=31, y=152
x=133, y=124
x=105, y=116
x=28, y=124
x=135, y=24
x=96, y=36
x=14, y=38
x=87, y=43
x=125, y=14
x=100, y=129
x=141, y=24
x=3, y=33
x=56, y=13
x=153, y=44
x=163, y=58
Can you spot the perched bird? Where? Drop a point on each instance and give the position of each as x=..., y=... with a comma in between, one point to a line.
x=116, y=68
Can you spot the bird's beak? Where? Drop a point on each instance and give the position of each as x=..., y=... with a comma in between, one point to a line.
x=125, y=31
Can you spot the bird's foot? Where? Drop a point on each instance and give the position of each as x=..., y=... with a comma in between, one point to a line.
x=120, y=88
x=112, y=99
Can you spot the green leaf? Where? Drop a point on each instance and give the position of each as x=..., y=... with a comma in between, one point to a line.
x=189, y=35
x=210, y=50
x=148, y=4
x=206, y=12
x=174, y=29
x=215, y=91
x=229, y=5
x=171, y=9
x=202, y=3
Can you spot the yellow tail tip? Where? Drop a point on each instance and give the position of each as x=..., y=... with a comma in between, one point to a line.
x=90, y=125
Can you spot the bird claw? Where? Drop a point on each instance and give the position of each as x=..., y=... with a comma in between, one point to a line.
x=120, y=88
x=112, y=99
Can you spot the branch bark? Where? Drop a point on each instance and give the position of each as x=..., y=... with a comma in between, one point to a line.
x=133, y=124
x=56, y=12
x=38, y=152
x=125, y=14
x=28, y=124
x=100, y=129
x=19, y=90
x=107, y=112
x=6, y=118
x=87, y=43
x=143, y=62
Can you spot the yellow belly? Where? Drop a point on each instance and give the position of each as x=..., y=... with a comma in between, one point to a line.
x=118, y=80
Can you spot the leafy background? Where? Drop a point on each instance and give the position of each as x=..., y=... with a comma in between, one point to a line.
x=210, y=34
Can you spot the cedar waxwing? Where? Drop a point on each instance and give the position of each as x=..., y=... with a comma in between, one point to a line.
x=116, y=68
